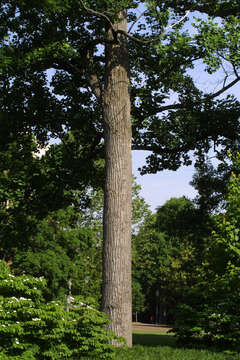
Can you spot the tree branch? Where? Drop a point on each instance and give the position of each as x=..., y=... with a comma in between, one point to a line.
x=178, y=22
x=163, y=151
x=206, y=98
x=133, y=38
x=126, y=33
x=235, y=70
x=94, y=82
x=85, y=67
x=224, y=88
x=97, y=13
x=129, y=30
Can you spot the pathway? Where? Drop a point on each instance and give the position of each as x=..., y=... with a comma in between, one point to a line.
x=150, y=327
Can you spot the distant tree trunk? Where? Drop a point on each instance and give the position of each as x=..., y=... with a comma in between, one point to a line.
x=116, y=287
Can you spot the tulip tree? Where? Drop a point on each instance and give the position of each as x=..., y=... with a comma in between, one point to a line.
x=108, y=69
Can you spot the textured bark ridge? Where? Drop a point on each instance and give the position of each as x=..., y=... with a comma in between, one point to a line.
x=116, y=294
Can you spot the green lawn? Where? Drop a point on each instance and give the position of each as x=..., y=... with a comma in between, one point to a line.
x=153, y=338
x=162, y=346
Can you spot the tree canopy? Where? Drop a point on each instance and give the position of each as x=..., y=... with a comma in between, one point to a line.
x=68, y=39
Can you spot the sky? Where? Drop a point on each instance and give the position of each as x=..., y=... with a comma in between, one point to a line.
x=160, y=187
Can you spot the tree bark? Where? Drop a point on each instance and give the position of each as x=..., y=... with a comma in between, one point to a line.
x=116, y=285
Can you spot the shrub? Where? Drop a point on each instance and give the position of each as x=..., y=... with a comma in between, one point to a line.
x=30, y=328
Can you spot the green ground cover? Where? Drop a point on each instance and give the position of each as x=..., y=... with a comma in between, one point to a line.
x=162, y=346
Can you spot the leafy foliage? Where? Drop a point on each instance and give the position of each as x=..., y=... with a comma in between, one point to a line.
x=168, y=252
x=61, y=43
x=30, y=328
x=62, y=251
x=40, y=225
x=138, y=298
x=211, y=311
x=41, y=234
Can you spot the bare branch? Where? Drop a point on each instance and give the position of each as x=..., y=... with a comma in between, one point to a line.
x=224, y=88
x=133, y=38
x=225, y=79
x=184, y=105
x=226, y=74
x=178, y=22
x=126, y=33
x=97, y=13
x=206, y=98
x=172, y=107
x=136, y=21
x=235, y=70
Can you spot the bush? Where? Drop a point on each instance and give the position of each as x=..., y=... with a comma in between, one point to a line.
x=215, y=321
x=30, y=328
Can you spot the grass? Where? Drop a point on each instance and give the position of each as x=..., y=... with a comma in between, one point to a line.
x=153, y=338
x=161, y=346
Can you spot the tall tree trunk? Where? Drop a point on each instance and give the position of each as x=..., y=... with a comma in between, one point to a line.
x=116, y=287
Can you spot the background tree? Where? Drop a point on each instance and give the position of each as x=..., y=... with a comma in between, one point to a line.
x=210, y=311
x=89, y=47
x=212, y=177
x=150, y=255
x=169, y=250
x=31, y=187
x=138, y=299
x=62, y=251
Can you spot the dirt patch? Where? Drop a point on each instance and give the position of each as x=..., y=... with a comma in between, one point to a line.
x=150, y=327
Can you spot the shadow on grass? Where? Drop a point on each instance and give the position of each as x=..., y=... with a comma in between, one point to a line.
x=154, y=340
x=162, y=339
